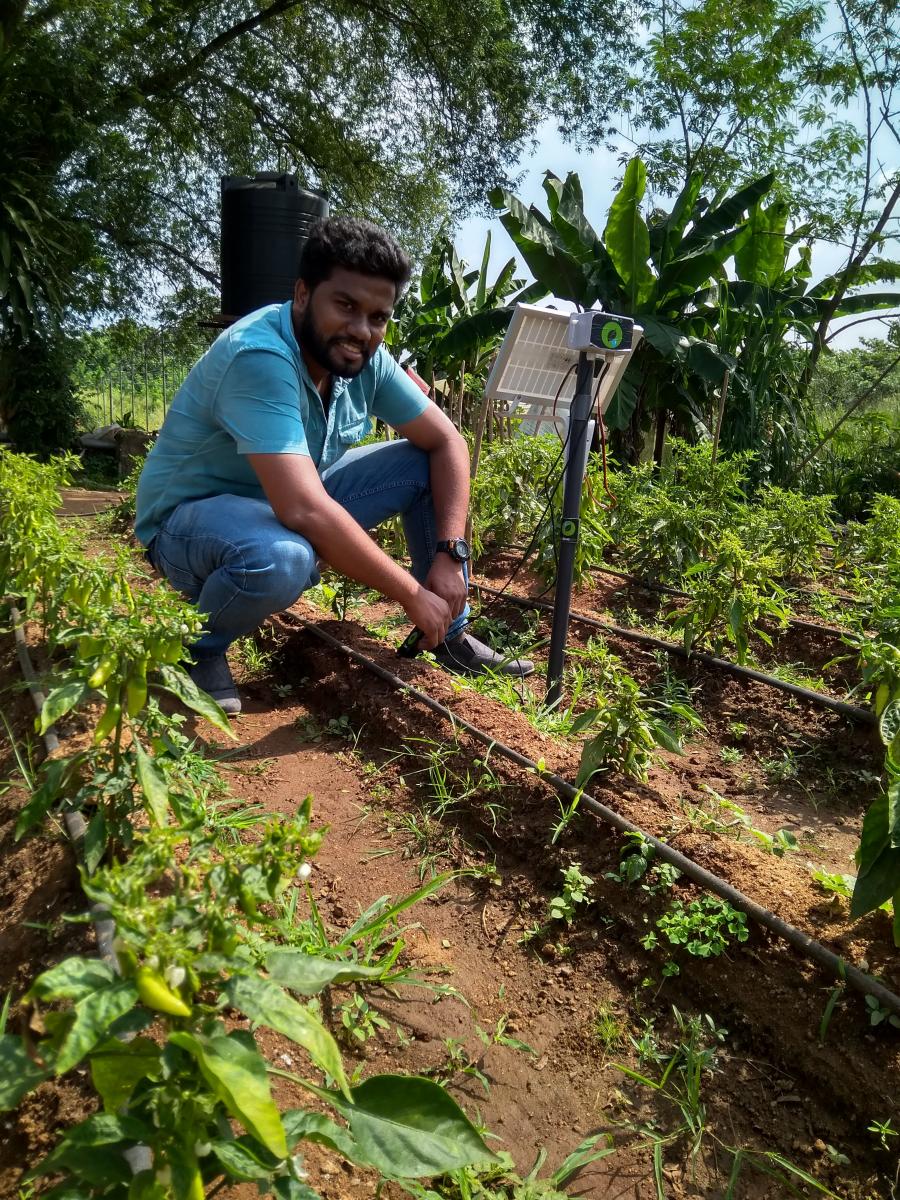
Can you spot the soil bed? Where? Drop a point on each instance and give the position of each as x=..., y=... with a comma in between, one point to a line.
x=315, y=723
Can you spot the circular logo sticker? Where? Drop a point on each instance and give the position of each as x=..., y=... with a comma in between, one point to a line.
x=611, y=335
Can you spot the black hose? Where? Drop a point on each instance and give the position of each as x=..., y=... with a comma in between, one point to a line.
x=795, y=937
x=853, y=711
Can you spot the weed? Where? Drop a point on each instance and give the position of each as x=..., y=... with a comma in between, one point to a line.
x=501, y=1180
x=607, y=1027
x=460, y=1062
x=359, y=1020
x=575, y=891
x=884, y=1130
x=681, y=1085
x=834, y=883
x=738, y=730
x=782, y=769
x=704, y=927
x=256, y=661
x=731, y=755
x=636, y=863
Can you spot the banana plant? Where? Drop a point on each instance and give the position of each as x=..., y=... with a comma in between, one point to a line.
x=664, y=273
x=763, y=318
x=452, y=324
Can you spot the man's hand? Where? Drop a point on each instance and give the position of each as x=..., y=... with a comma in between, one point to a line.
x=430, y=613
x=446, y=580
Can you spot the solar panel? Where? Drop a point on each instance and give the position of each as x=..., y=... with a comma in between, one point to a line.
x=533, y=375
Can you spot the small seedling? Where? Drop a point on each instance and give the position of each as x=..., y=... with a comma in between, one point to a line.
x=884, y=1131
x=738, y=730
x=360, y=1020
x=878, y=1014
x=575, y=892
x=731, y=755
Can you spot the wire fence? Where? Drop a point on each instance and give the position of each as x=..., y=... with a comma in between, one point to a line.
x=135, y=388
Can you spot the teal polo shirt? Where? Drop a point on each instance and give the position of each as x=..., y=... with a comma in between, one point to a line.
x=251, y=394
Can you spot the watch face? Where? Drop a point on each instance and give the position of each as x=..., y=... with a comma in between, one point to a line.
x=460, y=550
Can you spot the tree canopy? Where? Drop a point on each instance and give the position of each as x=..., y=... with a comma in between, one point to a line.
x=118, y=117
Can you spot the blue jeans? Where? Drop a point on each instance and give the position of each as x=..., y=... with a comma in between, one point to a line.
x=233, y=558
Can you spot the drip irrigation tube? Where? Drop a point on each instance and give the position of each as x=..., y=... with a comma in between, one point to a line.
x=853, y=711
x=795, y=937
x=138, y=1157
x=650, y=585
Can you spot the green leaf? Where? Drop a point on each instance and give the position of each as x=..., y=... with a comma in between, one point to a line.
x=545, y=256
x=55, y=775
x=103, y=1166
x=93, y=1017
x=762, y=257
x=410, y=1127
x=240, y=1163
x=95, y=840
x=153, y=784
x=594, y=758
x=106, y=1129
x=179, y=683
x=378, y=916
x=18, y=1073
x=876, y=834
x=118, y=1067
x=667, y=339
x=60, y=701
x=729, y=211
x=286, y=1188
x=237, y=1074
x=72, y=979
x=889, y=722
x=877, y=883
x=893, y=813
x=624, y=400
x=265, y=1003
x=300, y=1125
x=309, y=975
x=627, y=239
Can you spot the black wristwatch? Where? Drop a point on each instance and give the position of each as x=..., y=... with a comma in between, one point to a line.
x=457, y=548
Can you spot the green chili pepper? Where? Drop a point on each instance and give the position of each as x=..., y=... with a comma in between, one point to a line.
x=108, y=721
x=105, y=668
x=136, y=689
x=156, y=994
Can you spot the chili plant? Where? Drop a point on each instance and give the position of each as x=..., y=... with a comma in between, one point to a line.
x=627, y=726
x=183, y=909
x=731, y=596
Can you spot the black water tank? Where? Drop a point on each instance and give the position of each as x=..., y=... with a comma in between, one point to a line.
x=265, y=221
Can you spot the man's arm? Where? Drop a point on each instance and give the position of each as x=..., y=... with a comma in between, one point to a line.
x=299, y=500
x=448, y=457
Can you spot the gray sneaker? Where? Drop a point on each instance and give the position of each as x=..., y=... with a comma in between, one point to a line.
x=213, y=676
x=465, y=655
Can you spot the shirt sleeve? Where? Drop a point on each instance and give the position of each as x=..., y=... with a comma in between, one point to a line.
x=397, y=399
x=258, y=404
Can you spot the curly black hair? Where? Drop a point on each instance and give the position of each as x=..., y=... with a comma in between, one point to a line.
x=355, y=245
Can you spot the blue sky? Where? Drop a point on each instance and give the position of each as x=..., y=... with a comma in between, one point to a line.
x=598, y=171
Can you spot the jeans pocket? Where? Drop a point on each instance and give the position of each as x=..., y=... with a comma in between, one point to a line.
x=182, y=579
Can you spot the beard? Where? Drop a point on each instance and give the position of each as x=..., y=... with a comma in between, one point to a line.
x=327, y=351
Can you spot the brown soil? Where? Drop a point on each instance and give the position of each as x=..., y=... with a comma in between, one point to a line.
x=778, y=1087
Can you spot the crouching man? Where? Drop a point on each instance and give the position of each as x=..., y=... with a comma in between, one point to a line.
x=255, y=476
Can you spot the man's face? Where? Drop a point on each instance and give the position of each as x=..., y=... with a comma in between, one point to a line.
x=341, y=323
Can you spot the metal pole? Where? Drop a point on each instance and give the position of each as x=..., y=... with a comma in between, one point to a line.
x=146, y=392
x=576, y=461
